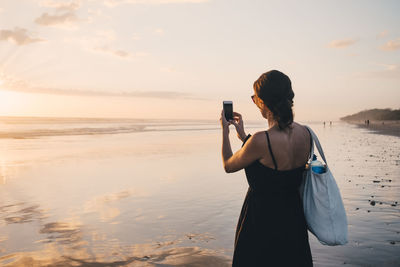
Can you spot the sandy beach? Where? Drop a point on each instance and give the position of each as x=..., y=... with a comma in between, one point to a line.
x=141, y=198
x=380, y=127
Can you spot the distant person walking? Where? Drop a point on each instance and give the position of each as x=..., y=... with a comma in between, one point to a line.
x=271, y=230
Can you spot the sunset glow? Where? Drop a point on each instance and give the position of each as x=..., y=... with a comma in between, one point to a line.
x=181, y=59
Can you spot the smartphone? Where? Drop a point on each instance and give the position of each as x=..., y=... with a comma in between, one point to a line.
x=228, y=110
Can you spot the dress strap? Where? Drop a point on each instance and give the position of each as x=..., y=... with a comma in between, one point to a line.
x=270, y=151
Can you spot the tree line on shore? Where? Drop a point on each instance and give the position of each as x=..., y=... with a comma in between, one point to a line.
x=374, y=114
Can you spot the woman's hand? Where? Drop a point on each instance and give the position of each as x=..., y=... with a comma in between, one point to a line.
x=238, y=123
x=224, y=123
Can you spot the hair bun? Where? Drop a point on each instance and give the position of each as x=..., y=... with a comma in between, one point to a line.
x=275, y=89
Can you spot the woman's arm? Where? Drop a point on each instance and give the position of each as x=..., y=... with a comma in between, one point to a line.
x=252, y=149
x=226, y=146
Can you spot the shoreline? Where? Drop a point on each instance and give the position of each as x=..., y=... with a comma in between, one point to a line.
x=380, y=127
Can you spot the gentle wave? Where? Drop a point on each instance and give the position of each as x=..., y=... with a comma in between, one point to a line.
x=36, y=127
x=91, y=131
x=72, y=131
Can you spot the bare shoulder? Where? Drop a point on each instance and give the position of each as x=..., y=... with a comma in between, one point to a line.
x=301, y=129
x=259, y=137
x=257, y=141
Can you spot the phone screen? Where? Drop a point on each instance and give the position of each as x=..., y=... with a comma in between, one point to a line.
x=228, y=110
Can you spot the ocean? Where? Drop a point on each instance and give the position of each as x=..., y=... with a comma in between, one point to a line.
x=136, y=192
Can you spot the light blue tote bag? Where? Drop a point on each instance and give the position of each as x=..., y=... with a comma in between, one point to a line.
x=322, y=202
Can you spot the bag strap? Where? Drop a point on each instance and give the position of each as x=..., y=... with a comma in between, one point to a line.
x=311, y=146
x=270, y=151
x=317, y=144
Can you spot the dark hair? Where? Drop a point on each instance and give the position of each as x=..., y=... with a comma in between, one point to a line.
x=275, y=90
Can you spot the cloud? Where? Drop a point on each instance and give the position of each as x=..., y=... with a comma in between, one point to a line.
x=22, y=86
x=64, y=14
x=112, y=3
x=382, y=34
x=391, y=45
x=97, y=14
x=50, y=20
x=61, y=6
x=169, y=70
x=114, y=52
x=103, y=41
x=20, y=36
x=342, y=43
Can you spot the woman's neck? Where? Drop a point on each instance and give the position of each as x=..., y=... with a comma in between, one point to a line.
x=271, y=123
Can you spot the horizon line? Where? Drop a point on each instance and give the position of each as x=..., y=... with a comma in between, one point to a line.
x=132, y=118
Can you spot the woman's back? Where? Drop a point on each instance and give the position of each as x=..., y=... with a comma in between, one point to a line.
x=290, y=147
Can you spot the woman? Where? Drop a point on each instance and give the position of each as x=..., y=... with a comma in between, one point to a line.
x=271, y=229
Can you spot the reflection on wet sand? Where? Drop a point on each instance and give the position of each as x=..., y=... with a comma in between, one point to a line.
x=19, y=213
x=180, y=256
x=103, y=204
x=64, y=233
x=62, y=238
x=69, y=243
x=154, y=254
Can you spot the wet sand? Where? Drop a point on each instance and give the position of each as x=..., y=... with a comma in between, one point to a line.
x=149, y=255
x=161, y=198
x=380, y=127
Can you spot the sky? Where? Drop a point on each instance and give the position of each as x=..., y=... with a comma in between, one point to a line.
x=180, y=59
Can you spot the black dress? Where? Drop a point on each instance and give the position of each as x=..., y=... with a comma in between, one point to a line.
x=272, y=230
